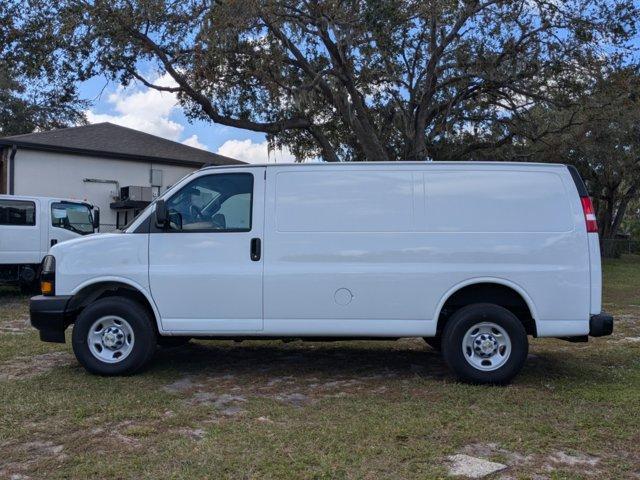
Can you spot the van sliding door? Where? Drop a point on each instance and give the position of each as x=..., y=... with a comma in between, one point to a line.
x=341, y=252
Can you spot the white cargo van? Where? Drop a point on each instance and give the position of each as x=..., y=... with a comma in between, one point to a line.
x=29, y=226
x=473, y=257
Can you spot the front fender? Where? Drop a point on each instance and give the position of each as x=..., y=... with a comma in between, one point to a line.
x=115, y=281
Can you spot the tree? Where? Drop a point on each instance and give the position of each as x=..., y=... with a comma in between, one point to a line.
x=350, y=80
x=606, y=148
x=37, y=88
x=631, y=222
x=599, y=134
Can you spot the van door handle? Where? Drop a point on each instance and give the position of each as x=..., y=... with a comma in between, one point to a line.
x=53, y=241
x=255, y=249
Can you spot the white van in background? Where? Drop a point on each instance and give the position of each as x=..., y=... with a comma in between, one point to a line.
x=475, y=257
x=29, y=226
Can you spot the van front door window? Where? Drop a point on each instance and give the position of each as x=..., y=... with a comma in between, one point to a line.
x=220, y=202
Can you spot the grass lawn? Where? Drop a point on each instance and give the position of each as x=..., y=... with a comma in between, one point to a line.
x=322, y=410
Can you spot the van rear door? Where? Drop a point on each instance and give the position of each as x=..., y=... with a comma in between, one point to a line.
x=593, y=240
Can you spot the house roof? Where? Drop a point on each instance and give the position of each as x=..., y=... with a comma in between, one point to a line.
x=113, y=141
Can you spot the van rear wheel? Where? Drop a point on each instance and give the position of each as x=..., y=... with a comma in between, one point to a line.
x=113, y=336
x=485, y=344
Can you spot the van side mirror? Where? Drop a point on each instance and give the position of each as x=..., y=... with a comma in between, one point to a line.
x=96, y=220
x=162, y=216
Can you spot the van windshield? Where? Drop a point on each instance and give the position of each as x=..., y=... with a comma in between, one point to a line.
x=75, y=217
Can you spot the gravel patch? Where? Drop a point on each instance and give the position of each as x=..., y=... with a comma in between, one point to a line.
x=295, y=399
x=21, y=368
x=35, y=451
x=18, y=326
x=180, y=386
x=574, y=460
x=631, y=339
x=192, y=433
x=472, y=467
x=492, y=449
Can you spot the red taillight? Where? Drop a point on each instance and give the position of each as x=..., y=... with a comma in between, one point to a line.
x=589, y=215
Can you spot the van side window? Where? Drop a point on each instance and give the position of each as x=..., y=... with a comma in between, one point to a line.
x=213, y=203
x=17, y=212
x=72, y=216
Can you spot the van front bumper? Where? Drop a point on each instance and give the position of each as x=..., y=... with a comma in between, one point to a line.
x=50, y=316
x=600, y=325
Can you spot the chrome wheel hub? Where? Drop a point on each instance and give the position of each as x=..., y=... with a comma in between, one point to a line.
x=486, y=346
x=110, y=339
x=113, y=338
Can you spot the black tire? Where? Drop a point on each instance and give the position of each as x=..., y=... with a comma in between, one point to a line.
x=462, y=321
x=172, y=342
x=138, y=318
x=434, y=342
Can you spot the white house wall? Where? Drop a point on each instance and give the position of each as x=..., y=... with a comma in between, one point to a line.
x=62, y=175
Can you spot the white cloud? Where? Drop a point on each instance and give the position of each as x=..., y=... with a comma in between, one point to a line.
x=251, y=152
x=146, y=110
x=193, y=141
x=150, y=111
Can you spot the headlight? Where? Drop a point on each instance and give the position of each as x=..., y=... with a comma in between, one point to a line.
x=48, y=276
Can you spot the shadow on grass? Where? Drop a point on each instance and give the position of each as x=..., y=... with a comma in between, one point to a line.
x=12, y=293
x=567, y=367
x=383, y=359
x=344, y=360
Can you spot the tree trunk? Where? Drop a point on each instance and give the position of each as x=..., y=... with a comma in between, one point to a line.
x=605, y=216
x=622, y=209
x=328, y=152
x=610, y=218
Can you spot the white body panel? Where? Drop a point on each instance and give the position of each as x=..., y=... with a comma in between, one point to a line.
x=28, y=244
x=361, y=250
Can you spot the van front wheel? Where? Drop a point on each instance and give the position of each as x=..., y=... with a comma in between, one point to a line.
x=485, y=344
x=113, y=336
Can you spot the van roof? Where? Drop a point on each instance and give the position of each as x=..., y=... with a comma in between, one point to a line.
x=404, y=163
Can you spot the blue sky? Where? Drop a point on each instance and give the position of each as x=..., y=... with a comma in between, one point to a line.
x=157, y=113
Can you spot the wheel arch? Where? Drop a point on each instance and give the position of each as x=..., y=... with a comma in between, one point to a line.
x=462, y=294
x=96, y=288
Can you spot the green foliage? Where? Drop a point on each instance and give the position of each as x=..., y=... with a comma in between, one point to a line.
x=598, y=131
x=631, y=222
x=361, y=80
x=37, y=81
